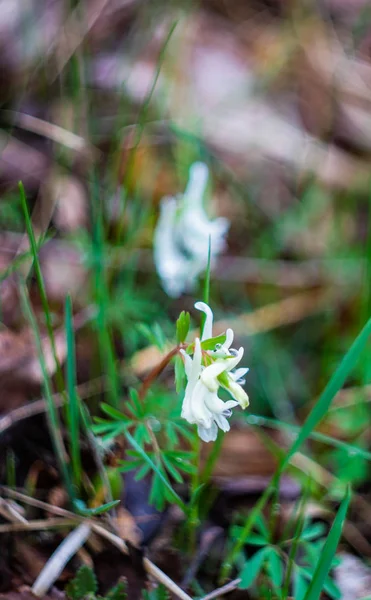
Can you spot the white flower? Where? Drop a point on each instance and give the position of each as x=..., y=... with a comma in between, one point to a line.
x=182, y=235
x=201, y=404
x=227, y=358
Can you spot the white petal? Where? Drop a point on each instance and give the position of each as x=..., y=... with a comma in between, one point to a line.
x=239, y=374
x=197, y=182
x=196, y=364
x=209, y=374
x=222, y=422
x=200, y=412
x=208, y=434
x=229, y=339
x=216, y=405
x=187, y=363
x=233, y=362
x=208, y=326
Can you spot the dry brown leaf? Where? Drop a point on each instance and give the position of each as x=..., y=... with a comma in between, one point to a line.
x=127, y=527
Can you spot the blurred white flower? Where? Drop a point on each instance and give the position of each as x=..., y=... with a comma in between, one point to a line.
x=201, y=404
x=183, y=231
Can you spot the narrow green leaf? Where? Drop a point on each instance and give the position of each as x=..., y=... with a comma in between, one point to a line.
x=334, y=385
x=159, y=474
x=182, y=326
x=300, y=585
x=113, y=412
x=72, y=406
x=251, y=569
x=179, y=374
x=54, y=424
x=329, y=549
x=274, y=567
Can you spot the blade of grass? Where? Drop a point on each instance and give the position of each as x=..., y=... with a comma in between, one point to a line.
x=72, y=406
x=296, y=538
x=250, y=522
x=41, y=286
x=317, y=413
x=102, y=296
x=334, y=385
x=260, y=421
x=329, y=549
x=52, y=412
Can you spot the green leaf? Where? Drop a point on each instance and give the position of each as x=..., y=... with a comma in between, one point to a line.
x=179, y=374
x=326, y=557
x=155, y=468
x=80, y=507
x=212, y=342
x=83, y=584
x=118, y=592
x=313, y=531
x=251, y=569
x=136, y=403
x=113, y=412
x=334, y=385
x=72, y=406
x=300, y=585
x=274, y=567
x=182, y=326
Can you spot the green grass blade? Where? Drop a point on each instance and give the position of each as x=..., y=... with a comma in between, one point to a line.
x=334, y=385
x=72, y=406
x=260, y=421
x=106, y=346
x=327, y=555
x=250, y=522
x=52, y=412
x=41, y=285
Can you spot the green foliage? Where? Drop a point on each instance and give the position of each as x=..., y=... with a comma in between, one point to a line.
x=154, y=429
x=84, y=585
x=325, y=558
x=158, y=593
x=182, y=326
x=297, y=558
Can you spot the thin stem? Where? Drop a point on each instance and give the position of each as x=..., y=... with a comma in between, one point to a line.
x=157, y=370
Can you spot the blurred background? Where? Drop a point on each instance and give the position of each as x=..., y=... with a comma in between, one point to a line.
x=104, y=107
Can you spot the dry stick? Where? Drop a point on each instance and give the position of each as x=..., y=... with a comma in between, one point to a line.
x=149, y=566
x=60, y=557
x=225, y=589
x=38, y=525
x=85, y=390
x=53, y=132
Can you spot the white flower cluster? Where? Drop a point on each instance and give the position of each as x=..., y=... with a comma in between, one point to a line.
x=206, y=372
x=183, y=233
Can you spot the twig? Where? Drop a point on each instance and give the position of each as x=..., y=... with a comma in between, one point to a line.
x=38, y=525
x=53, y=132
x=157, y=370
x=149, y=566
x=39, y=406
x=225, y=589
x=58, y=560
